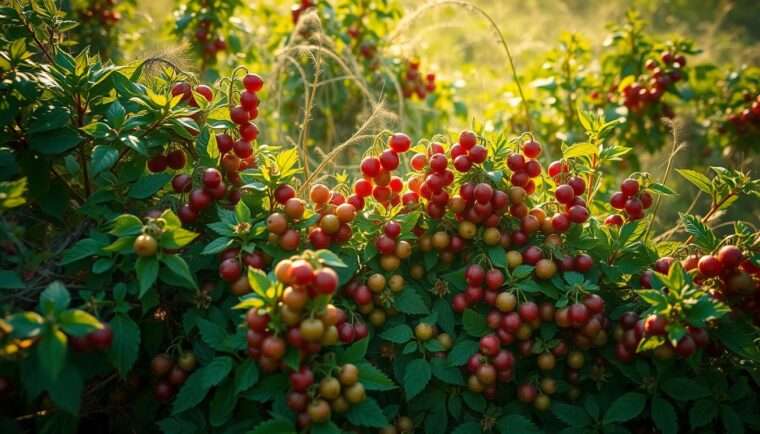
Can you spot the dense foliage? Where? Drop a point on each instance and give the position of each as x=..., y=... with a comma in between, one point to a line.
x=172, y=261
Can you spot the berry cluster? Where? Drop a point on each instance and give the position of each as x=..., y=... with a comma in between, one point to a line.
x=103, y=12
x=335, y=216
x=391, y=249
x=489, y=366
x=210, y=41
x=348, y=332
x=315, y=401
x=734, y=278
x=302, y=314
x=171, y=376
x=525, y=167
x=213, y=189
x=174, y=159
x=639, y=97
x=413, y=82
x=377, y=181
x=632, y=199
x=375, y=298
x=99, y=339
x=293, y=208
x=242, y=114
x=234, y=261
x=744, y=119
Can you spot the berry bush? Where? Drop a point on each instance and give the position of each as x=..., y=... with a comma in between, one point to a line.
x=168, y=267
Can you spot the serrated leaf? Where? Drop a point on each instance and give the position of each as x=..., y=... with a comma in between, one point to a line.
x=580, y=150
x=739, y=337
x=516, y=424
x=625, y=407
x=731, y=421
x=125, y=346
x=409, y=301
x=664, y=415
x=213, y=334
x=148, y=185
x=178, y=266
x=367, y=413
x=701, y=181
x=416, y=377
x=373, y=378
x=355, y=352
x=661, y=189
x=702, y=413
x=196, y=387
x=446, y=373
x=399, y=334
x=474, y=323
x=703, y=235
x=461, y=351
x=571, y=415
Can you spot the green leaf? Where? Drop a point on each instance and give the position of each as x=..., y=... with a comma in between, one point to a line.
x=446, y=373
x=223, y=404
x=474, y=323
x=246, y=375
x=580, y=150
x=409, y=301
x=78, y=322
x=126, y=225
x=373, y=378
x=54, y=299
x=198, y=384
x=461, y=351
x=66, y=390
x=468, y=428
x=125, y=346
x=625, y=408
x=701, y=181
x=328, y=427
x=571, y=415
x=355, y=352
x=52, y=351
x=259, y=282
x=242, y=213
x=82, y=249
x=516, y=424
x=213, y=334
x=739, y=337
x=703, y=235
x=268, y=388
x=10, y=280
x=26, y=325
x=103, y=158
x=148, y=185
x=216, y=246
x=147, y=272
x=178, y=266
x=664, y=415
x=274, y=426
x=702, y=413
x=367, y=413
x=177, y=238
x=731, y=421
x=55, y=141
x=398, y=334
x=416, y=377
x=660, y=189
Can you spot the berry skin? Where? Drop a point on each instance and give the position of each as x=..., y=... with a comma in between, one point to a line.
x=468, y=139
x=370, y=167
x=230, y=270
x=578, y=185
x=709, y=266
x=249, y=132
x=182, y=183
x=531, y=149
x=629, y=187
x=399, y=143
x=634, y=206
x=564, y=194
x=614, y=220
x=176, y=159
x=158, y=164
x=489, y=345
x=618, y=200
x=243, y=148
x=478, y=154
x=239, y=115
x=516, y=162
x=730, y=256
x=224, y=143
x=283, y=192
x=253, y=82
x=186, y=214
x=389, y=160
x=211, y=178
x=199, y=200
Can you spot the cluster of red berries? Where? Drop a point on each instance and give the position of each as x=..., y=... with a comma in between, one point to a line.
x=314, y=402
x=481, y=286
x=102, y=11
x=99, y=339
x=302, y=317
x=391, y=249
x=298, y=8
x=525, y=167
x=214, y=189
x=744, y=119
x=279, y=225
x=335, y=215
x=631, y=199
x=233, y=261
x=375, y=298
x=186, y=92
x=242, y=114
x=350, y=332
x=376, y=171
x=633, y=330
x=638, y=97
x=171, y=376
x=210, y=42
x=174, y=159
x=490, y=365
x=413, y=82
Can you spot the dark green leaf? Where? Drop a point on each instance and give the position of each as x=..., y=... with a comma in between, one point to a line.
x=416, y=377
x=367, y=413
x=664, y=416
x=625, y=407
x=125, y=347
x=399, y=334
x=474, y=323
x=148, y=185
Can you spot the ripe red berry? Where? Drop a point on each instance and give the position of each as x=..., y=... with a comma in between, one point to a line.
x=489, y=345
x=629, y=187
x=646, y=199
x=532, y=168
x=283, y=192
x=528, y=311
x=224, y=143
x=730, y=256
x=370, y=167
x=205, y=91
x=655, y=325
x=243, y=148
x=468, y=139
x=418, y=162
x=186, y=214
x=389, y=160
x=617, y=200
x=633, y=206
x=249, y=132
x=578, y=314
x=176, y=159
x=709, y=266
x=253, y=82
x=560, y=221
x=578, y=184
x=182, y=183
x=478, y=154
x=578, y=214
x=249, y=100
x=556, y=167
x=157, y=164
x=230, y=270
x=483, y=193
x=399, y=143
x=211, y=178
x=594, y=303
x=325, y=281
x=463, y=163
x=101, y=338
x=199, y=200
x=564, y=194
x=474, y=275
x=516, y=162
x=438, y=163
x=583, y=263
x=614, y=220
x=239, y=115
x=531, y=149
x=392, y=229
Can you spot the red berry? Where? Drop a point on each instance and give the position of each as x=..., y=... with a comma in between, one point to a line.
x=243, y=148
x=709, y=266
x=578, y=185
x=211, y=178
x=176, y=159
x=629, y=187
x=157, y=164
x=239, y=115
x=463, y=163
x=389, y=160
x=634, y=206
x=474, y=275
x=186, y=214
x=618, y=200
x=730, y=256
x=561, y=221
x=483, y=193
x=468, y=139
x=283, y=192
x=578, y=314
x=224, y=143
x=578, y=214
x=253, y=82
x=564, y=194
x=528, y=311
x=646, y=199
x=489, y=345
x=182, y=183
x=531, y=149
x=583, y=263
x=199, y=200
x=205, y=91
x=101, y=338
x=418, y=162
x=438, y=163
x=478, y=154
x=249, y=100
x=249, y=132
x=399, y=143
x=230, y=270
x=614, y=220
x=532, y=168
x=370, y=167
x=516, y=162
